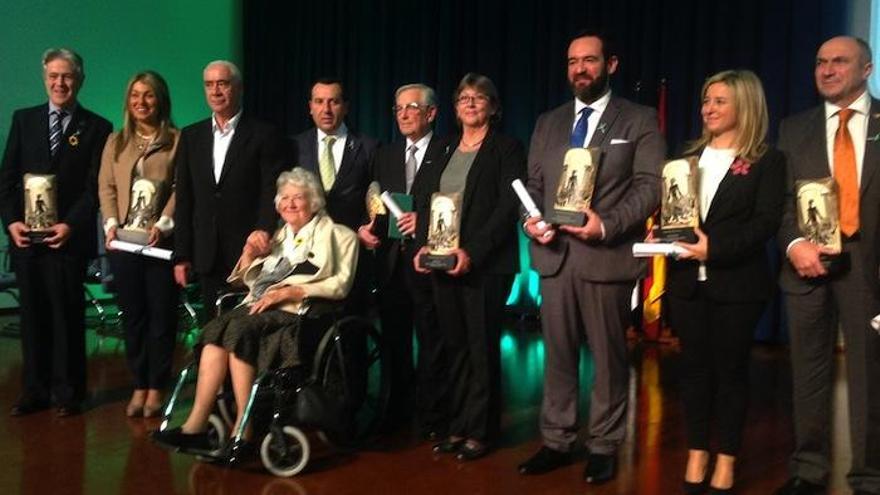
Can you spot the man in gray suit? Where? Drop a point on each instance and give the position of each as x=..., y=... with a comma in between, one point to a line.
x=839, y=139
x=588, y=272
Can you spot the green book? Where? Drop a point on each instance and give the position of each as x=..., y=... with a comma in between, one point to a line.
x=405, y=201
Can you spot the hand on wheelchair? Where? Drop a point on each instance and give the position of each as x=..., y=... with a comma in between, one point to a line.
x=273, y=297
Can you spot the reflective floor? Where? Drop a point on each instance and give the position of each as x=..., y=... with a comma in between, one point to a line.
x=102, y=451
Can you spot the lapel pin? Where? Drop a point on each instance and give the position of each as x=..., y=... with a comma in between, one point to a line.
x=602, y=127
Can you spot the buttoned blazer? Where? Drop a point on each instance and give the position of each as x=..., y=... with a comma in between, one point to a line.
x=744, y=215
x=802, y=138
x=345, y=200
x=213, y=216
x=116, y=175
x=627, y=188
x=489, y=209
x=75, y=166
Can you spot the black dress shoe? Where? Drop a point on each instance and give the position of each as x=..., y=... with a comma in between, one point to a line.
x=544, y=461
x=176, y=439
x=470, y=451
x=26, y=406
x=67, y=410
x=799, y=486
x=600, y=468
x=448, y=446
x=695, y=488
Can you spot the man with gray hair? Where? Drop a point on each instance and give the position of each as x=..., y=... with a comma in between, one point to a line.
x=226, y=168
x=64, y=140
x=405, y=297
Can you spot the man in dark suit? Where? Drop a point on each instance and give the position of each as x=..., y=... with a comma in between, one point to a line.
x=341, y=158
x=839, y=139
x=405, y=297
x=588, y=271
x=63, y=139
x=226, y=169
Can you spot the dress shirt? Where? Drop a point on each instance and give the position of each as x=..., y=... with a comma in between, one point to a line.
x=66, y=120
x=422, y=147
x=222, y=139
x=598, y=107
x=338, y=148
x=714, y=164
x=858, y=129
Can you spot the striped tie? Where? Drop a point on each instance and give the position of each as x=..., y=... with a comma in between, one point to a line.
x=56, y=130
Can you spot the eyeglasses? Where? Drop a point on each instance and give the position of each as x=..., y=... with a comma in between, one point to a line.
x=468, y=99
x=411, y=106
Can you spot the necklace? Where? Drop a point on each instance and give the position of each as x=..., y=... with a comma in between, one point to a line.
x=143, y=141
x=472, y=145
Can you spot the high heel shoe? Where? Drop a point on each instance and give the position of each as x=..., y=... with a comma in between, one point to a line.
x=448, y=446
x=134, y=410
x=720, y=491
x=695, y=487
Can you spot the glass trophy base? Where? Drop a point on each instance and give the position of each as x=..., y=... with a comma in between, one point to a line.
x=684, y=234
x=565, y=217
x=835, y=264
x=442, y=262
x=141, y=237
x=38, y=236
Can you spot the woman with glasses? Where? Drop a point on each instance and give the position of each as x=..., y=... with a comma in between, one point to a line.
x=470, y=297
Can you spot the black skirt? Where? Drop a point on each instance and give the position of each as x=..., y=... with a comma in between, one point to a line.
x=267, y=340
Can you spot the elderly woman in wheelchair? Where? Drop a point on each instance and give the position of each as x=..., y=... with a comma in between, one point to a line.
x=309, y=257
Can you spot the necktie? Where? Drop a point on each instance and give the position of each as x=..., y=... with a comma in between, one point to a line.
x=56, y=131
x=326, y=164
x=579, y=134
x=410, y=167
x=845, y=175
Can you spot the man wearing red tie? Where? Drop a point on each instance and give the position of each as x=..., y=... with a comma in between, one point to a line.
x=839, y=139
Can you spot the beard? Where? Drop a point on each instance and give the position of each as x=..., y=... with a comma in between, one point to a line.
x=592, y=91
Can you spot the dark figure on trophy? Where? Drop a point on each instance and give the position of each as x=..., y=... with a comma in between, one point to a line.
x=40, y=220
x=814, y=224
x=570, y=187
x=674, y=201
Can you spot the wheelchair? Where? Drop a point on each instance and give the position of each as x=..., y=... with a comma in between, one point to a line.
x=341, y=395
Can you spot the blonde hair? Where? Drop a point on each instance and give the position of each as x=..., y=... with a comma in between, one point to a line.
x=163, y=112
x=751, y=114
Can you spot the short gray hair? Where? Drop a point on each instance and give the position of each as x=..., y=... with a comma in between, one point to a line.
x=305, y=179
x=70, y=56
x=429, y=97
x=234, y=72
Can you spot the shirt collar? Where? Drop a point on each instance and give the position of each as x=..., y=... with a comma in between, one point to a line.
x=422, y=143
x=231, y=124
x=598, y=106
x=862, y=105
x=341, y=133
x=69, y=110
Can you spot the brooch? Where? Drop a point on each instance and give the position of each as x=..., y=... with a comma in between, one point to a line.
x=740, y=167
x=73, y=140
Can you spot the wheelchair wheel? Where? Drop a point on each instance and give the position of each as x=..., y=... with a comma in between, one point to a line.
x=287, y=455
x=352, y=364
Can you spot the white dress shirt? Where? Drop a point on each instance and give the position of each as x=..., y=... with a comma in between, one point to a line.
x=598, y=107
x=858, y=129
x=421, y=148
x=222, y=139
x=714, y=164
x=338, y=148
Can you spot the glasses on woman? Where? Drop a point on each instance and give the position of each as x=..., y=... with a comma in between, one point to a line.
x=469, y=99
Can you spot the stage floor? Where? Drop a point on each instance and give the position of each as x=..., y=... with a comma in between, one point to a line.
x=102, y=451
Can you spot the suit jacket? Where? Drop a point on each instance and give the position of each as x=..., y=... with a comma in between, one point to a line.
x=213, y=219
x=489, y=205
x=345, y=200
x=75, y=166
x=116, y=174
x=389, y=170
x=802, y=138
x=745, y=213
x=627, y=188
x=334, y=253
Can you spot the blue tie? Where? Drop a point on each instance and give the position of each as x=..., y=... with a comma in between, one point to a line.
x=579, y=134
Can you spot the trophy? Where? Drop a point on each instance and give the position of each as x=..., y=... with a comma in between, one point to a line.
x=819, y=220
x=575, y=189
x=680, y=206
x=143, y=211
x=40, y=206
x=376, y=210
x=443, y=232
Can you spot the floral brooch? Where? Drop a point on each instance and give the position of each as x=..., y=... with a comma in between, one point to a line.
x=740, y=167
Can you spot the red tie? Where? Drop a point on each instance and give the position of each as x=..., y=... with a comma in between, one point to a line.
x=845, y=175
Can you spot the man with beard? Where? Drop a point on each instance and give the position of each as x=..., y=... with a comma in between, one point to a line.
x=588, y=271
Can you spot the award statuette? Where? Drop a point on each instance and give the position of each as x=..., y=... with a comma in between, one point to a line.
x=376, y=210
x=143, y=211
x=40, y=206
x=819, y=220
x=443, y=232
x=575, y=189
x=680, y=205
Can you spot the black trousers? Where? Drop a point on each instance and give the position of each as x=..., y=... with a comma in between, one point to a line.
x=53, y=341
x=471, y=309
x=406, y=302
x=716, y=338
x=148, y=297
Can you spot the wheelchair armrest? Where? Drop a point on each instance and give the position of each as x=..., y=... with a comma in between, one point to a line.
x=228, y=300
x=317, y=307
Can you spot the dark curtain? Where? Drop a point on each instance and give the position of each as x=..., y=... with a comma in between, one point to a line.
x=377, y=46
